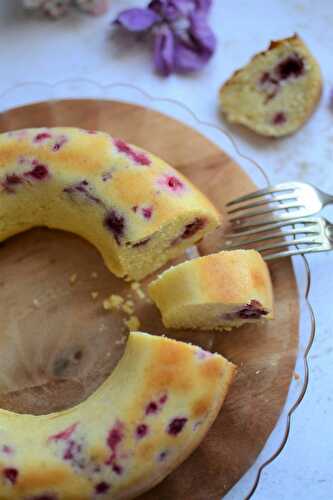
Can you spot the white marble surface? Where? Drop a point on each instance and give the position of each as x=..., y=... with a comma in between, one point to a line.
x=80, y=47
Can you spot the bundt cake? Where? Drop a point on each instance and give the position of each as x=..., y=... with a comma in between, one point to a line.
x=137, y=210
x=145, y=419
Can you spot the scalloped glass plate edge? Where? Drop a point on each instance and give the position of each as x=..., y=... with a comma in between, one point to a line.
x=30, y=92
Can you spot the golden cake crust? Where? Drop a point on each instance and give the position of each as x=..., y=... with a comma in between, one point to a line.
x=257, y=97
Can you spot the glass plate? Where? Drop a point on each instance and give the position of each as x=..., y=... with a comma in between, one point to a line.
x=30, y=92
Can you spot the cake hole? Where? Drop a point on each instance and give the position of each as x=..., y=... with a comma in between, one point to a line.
x=55, y=355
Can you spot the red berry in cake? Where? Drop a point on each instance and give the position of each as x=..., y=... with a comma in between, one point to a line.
x=279, y=118
x=13, y=179
x=59, y=143
x=101, y=488
x=141, y=430
x=253, y=310
x=192, y=228
x=115, y=436
x=174, y=183
x=176, y=425
x=147, y=212
x=163, y=399
x=154, y=407
x=151, y=408
x=39, y=172
x=268, y=84
x=162, y=456
x=171, y=183
x=117, y=469
x=83, y=188
x=72, y=450
x=115, y=223
x=137, y=156
x=11, y=474
x=42, y=136
x=292, y=66
x=65, y=434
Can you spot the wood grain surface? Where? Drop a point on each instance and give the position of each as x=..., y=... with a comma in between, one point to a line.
x=58, y=344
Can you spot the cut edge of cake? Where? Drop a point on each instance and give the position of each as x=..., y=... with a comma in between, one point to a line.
x=215, y=292
x=268, y=85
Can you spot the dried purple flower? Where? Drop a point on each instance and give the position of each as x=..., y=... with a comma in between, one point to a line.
x=137, y=19
x=164, y=50
x=183, y=40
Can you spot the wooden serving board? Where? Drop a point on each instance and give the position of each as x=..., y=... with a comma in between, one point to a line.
x=57, y=344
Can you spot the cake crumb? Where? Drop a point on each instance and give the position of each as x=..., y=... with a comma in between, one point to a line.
x=94, y=275
x=94, y=295
x=113, y=302
x=128, y=307
x=257, y=372
x=121, y=341
x=297, y=377
x=73, y=278
x=36, y=303
x=136, y=287
x=102, y=327
x=132, y=323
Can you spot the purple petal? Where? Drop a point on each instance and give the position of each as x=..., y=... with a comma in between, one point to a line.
x=184, y=7
x=203, y=5
x=188, y=58
x=166, y=9
x=137, y=19
x=164, y=50
x=201, y=33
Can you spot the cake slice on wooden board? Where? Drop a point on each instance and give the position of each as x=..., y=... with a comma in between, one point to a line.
x=215, y=292
x=276, y=92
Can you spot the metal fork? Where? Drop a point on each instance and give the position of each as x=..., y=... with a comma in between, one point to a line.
x=303, y=235
x=285, y=201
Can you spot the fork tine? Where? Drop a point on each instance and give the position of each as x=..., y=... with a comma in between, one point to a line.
x=279, y=188
x=266, y=201
x=271, y=236
x=256, y=213
x=290, y=253
x=288, y=217
x=288, y=243
x=260, y=228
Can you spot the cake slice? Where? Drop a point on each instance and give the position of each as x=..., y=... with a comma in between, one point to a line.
x=136, y=209
x=147, y=417
x=215, y=292
x=276, y=92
